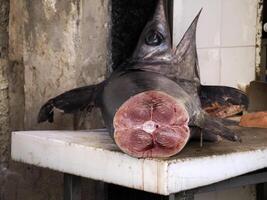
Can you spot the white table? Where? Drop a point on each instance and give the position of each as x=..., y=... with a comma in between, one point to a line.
x=93, y=154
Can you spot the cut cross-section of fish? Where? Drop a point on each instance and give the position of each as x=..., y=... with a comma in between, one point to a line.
x=151, y=124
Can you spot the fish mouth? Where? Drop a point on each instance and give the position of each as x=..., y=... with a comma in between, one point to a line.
x=151, y=124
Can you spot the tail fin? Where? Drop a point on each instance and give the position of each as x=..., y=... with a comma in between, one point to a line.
x=70, y=102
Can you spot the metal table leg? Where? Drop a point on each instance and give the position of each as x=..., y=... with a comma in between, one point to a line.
x=187, y=195
x=259, y=177
x=72, y=187
x=261, y=191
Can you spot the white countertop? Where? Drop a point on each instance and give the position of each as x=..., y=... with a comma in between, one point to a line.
x=93, y=154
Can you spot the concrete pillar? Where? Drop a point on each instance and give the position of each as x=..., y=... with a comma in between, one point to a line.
x=54, y=46
x=65, y=46
x=4, y=107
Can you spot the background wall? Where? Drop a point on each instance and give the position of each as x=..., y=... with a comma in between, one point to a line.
x=226, y=43
x=46, y=47
x=226, y=38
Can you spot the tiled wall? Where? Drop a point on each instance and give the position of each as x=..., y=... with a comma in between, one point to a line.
x=226, y=38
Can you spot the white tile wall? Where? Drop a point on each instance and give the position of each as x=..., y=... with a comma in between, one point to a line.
x=226, y=48
x=225, y=38
x=186, y=10
x=238, y=23
x=238, y=65
x=210, y=65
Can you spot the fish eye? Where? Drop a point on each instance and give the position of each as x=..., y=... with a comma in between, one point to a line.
x=154, y=38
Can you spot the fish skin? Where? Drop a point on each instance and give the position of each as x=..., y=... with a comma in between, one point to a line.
x=122, y=86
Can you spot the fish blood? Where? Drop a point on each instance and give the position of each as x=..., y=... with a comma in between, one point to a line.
x=151, y=124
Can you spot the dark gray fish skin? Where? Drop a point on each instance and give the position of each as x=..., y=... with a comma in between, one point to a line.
x=123, y=85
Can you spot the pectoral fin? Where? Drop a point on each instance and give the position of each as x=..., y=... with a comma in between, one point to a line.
x=222, y=101
x=70, y=102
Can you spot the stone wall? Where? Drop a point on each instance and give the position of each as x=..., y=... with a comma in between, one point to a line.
x=4, y=111
x=54, y=45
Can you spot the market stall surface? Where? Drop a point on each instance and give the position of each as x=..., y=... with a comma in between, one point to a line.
x=93, y=154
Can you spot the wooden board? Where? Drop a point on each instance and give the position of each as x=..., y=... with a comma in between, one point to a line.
x=93, y=154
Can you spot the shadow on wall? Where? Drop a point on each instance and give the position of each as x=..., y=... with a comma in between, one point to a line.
x=128, y=20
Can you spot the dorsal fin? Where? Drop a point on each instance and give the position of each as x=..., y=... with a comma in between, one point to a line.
x=155, y=41
x=186, y=54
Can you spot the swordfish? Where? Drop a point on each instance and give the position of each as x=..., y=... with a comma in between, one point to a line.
x=152, y=103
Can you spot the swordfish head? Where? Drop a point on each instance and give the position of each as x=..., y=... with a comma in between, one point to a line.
x=154, y=43
x=154, y=50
